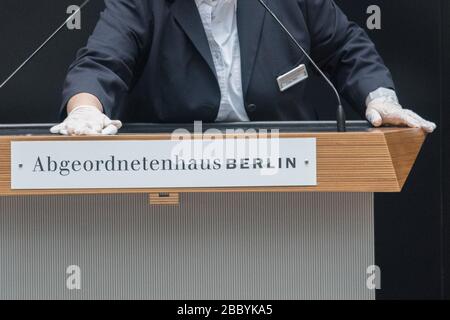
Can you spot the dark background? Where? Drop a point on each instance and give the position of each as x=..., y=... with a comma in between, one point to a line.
x=412, y=238
x=445, y=114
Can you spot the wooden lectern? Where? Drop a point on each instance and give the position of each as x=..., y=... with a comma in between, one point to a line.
x=214, y=243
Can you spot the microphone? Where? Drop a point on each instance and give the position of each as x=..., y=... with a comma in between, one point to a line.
x=23, y=64
x=340, y=114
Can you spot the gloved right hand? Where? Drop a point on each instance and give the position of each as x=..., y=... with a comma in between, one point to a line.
x=87, y=120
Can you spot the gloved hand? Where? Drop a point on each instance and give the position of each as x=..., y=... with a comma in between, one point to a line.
x=87, y=120
x=383, y=109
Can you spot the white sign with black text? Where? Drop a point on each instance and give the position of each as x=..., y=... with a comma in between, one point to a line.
x=163, y=163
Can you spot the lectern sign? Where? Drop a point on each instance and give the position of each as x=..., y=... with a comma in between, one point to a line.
x=197, y=163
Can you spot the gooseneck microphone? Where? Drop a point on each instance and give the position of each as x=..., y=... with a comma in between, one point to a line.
x=23, y=64
x=340, y=116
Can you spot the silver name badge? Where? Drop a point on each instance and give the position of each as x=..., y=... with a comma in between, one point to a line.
x=292, y=77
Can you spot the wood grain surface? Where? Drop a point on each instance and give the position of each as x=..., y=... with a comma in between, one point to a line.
x=378, y=160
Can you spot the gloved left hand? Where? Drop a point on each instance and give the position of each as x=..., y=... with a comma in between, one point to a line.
x=385, y=110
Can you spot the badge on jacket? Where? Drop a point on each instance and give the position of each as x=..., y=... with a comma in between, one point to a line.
x=292, y=77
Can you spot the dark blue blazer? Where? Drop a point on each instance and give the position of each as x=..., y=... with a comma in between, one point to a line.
x=149, y=60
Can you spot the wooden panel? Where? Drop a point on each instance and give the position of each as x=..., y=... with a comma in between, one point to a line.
x=404, y=148
x=375, y=161
x=164, y=199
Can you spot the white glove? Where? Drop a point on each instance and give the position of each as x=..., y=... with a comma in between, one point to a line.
x=87, y=120
x=383, y=108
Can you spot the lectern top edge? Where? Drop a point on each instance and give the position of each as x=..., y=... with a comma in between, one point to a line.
x=153, y=128
x=371, y=160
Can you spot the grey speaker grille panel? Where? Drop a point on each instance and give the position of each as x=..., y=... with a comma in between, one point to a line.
x=214, y=246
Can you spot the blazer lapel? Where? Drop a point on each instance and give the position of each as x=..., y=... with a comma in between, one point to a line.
x=187, y=15
x=250, y=19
